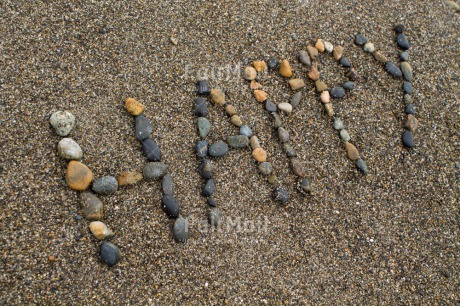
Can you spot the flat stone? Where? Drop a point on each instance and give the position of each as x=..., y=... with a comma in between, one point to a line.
x=215, y=216
x=337, y=53
x=62, y=122
x=402, y=41
x=285, y=69
x=270, y=106
x=259, y=65
x=313, y=74
x=393, y=70
x=304, y=58
x=100, y=230
x=205, y=169
x=204, y=126
x=151, y=150
x=155, y=170
x=289, y=150
x=201, y=107
x=201, y=148
x=281, y=194
x=329, y=109
x=254, y=141
x=230, y=109
x=144, y=127
x=411, y=123
x=170, y=206
x=295, y=99
x=110, y=254
x=202, y=87
x=296, y=84
x=260, y=155
x=167, y=184
x=285, y=107
x=265, y=168
x=91, y=206
x=238, y=141
x=312, y=52
x=260, y=95
x=410, y=109
x=338, y=124
x=78, y=176
x=218, y=97
x=328, y=46
x=129, y=178
x=407, y=71
x=236, y=120
x=344, y=62
x=320, y=86
x=352, y=152
x=407, y=87
x=344, y=135
x=105, y=185
x=245, y=130
x=348, y=85
x=250, y=73
x=305, y=186
x=404, y=56
x=380, y=57
x=361, y=165
x=273, y=62
x=360, y=40
x=181, y=230
x=254, y=85
x=319, y=45
x=69, y=149
x=337, y=92
x=283, y=135
x=218, y=149
x=277, y=120
x=209, y=188
x=134, y=107
x=298, y=168
x=325, y=97
x=369, y=47
x=408, y=139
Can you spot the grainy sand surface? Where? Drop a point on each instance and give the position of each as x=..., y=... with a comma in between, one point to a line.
x=391, y=237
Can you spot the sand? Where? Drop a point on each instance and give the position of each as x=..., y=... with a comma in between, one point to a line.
x=391, y=237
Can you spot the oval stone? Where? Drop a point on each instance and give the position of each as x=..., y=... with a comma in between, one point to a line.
x=218, y=149
x=69, y=149
x=348, y=85
x=360, y=40
x=62, y=122
x=201, y=148
x=295, y=99
x=337, y=92
x=144, y=127
x=344, y=62
x=361, y=164
x=407, y=86
x=270, y=106
x=204, y=126
x=209, y=188
x=393, y=70
x=167, y=184
x=250, y=73
x=155, y=170
x=254, y=141
x=344, y=135
x=265, y=168
x=283, y=135
x=171, y=206
x=304, y=58
x=238, y=141
x=277, y=120
x=91, y=206
x=105, y=185
x=181, y=230
x=129, y=178
x=338, y=124
x=201, y=107
x=245, y=130
x=110, y=254
x=151, y=150
x=205, y=169
x=285, y=107
x=78, y=176
x=408, y=139
x=352, y=152
x=100, y=230
x=298, y=168
x=273, y=62
x=281, y=194
x=407, y=71
x=402, y=41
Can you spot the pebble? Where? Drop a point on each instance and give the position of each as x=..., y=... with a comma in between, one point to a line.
x=393, y=70
x=325, y=97
x=181, y=230
x=62, y=122
x=270, y=106
x=402, y=41
x=235, y=120
x=408, y=139
x=110, y=254
x=151, y=150
x=290, y=152
x=277, y=120
x=407, y=86
x=352, y=152
x=312, y=52
x=344, y=135
x=283, y=135
x=78, y=176
x=360, y=40
x=320, y=45
x=337, y=92
x=171, y=206
x=352, y=74
x=296, y=84
x=273, y=62
x=201, y=148
x=238, y=141
x=452, y=4
x=320, y=86
x=201, y=107
x=155, y=170
x=91, y=206
x=369, y=47
x=305, y=186
x=202, y=87
x=329, y=109
x=69, y=149
x=260, y=95
x=407, y=71
x=361, y=164
x=399, y=28
x=410, y=109
x=328, y=46
x=404, y=56
x=338, y=124
x=298, y=167
x=134, y=107
x=408, y=99
x=254, y=85
x=230, y=109
x=205, y=169
x=285, y=107
x=260, y=155
x=259, y=66
x=211, y=202
x=348, y=85
x=380, y=57
x=245, y=130
x=215, y=216
x=313, y=73
x=144, y=127
x=250, y=73
x=344, y=62
x=273, y=179
x=411, y=123
x=167, y=184
x=304, y=58
x=337, y=53
x=204, y=126
x=295, y=99
x=218, y=149
x=265, y=168
x=285, y=69
x=281, y=194
x=254, y=141
x=105, y=185
x=209, y=188
x=100, y=230
x=217, y=97
x=129, y=178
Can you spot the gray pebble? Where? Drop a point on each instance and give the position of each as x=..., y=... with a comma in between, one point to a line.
x=304, y=58
x=344, y=135
x=344, y=62
x=206, y=169
x=408, y=139
x=407, y=86
x=393, y=70
x=298, y=168
x=348, y=85
x=283, y=135
x=201, y=107
x=270, y=106
x=212, y=202
x=69, y=149
x=91, y=206
x=245, y=130
x=265, y=168
x=277, y=120
x=204, y=126
x=144, y=127
x=337, y=92
x=290, y=152
x=402, y=41
x=62, y=122
x=281, y=194
x=410, y=109
x=201, y=148
x=202, y=87
x=407, y=71
x=399, y=28
x=171, y=206
x=110, y=254
x=273, y=63
x=105, y=185
x=154, y=170
x=361, y=164
x=209, y=188
x=218, y=149
x=237, y=142
x=296, y=98
x=215, y=216
x=305, y=186
x=167, y=184
x=360, y=40
x=181, y=230
x=404, y=56
x=338, y=124
x=151, y=150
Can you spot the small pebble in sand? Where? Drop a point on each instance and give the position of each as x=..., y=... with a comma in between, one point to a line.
x=410, y=109
x=338, y=124
x=344, y=62
x=404, y=56
x=352, y=74
x=91, y=206
x=154, y=170
x=320, y=45
x=100, y=230
x=402, y=41
x=201, y=148
x=352, y=152
x=285, y=69
x=245, y=130
x=250, y=73
x=399, y=28
x=134, y=107
x=204, y=126
x=69, y=149
x=78, y=176
x=237, y=141
x=313, y=73
x=273, y=62
x=170, y=206
x=201, y=107
x=348, y=85
x=344, y=135
x=407, y=71
x=329, y=109
x=151, y=150
x=218, y=149
x=212, y=202
x=265, y=168
x=295, y=99
x=110, y=254
x=277, y=120
x=209, y=188
x=360, y=40
x=285, y=107
x=273, y=179
x=205, y=169
x=320, y=86
x=393, y=70
x=380, y=57
x=325, y=97
x=296, y=84
x=304, y=58
x=215, y=216
x=337, y=92
x=143, y=127
x=181, y=230
x=167, y=184
x=407, y=87
x=129, y=178
x=328, y=46
x=202, y=87
x=105, y=185
x=281, y=194
x=260, y=95
x=361, y=164
x=62, y=122
x=259, y=65
x=298, y=168
x=254, y=142
x=305, y=186
x=289, y=150
x=283, y=134
x=217, y=97
x=254, y=85
x=260, y=155
x=235, y=120
x=337, y=53
x=312, y=52
x=408, y=139
x=270, y=106
x=411, y=123
x=369, y=47
x=230, y=109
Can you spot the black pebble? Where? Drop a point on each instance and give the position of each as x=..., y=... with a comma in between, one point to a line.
x=144, y=127
x=348, y=85
x=281, y=194
x=337, y=92
x=408, y=139
x=103, y=30
x=201, y=107
x=407, y=87
x=211, y=202
x=273, y=63
x=270, y=106
x=202, y=88
x=410, y=109
x=209, y=188
x=402, y=41
x=360, y=40
x=110, y=254
x=202, y=148
x=399, y=28
x=151, y=150
x=344, y=62
x=206, y=169
x=393, y=70
x=170, y=206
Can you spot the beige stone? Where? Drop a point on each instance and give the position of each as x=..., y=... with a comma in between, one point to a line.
x=352, y=152
x=337, y=53
x=296, y=84
x=100, y=230
x=325, y=97
x=134, y=107
x=320, y=86
x=259, y=65
x=250, y=73
x=129, y=178
x=260, y=95
x=285, y=69
x=260, y=155
x=217, y=97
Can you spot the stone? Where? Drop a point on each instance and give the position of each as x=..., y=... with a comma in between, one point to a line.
x=201, y=107
x=399, y=28
x=259, y=66
x=270, y=106
x=254, y=141
x=402, y=41
x=297, y=167
x=260, y=95
x=260, y=155
x=245, y=130
x=285, y=69
x=170, y=206
x=344, y=135
x=218, y=149
x=211, y=202
x=215, y=216
x=380, y=57
x=144, y=127
x=295, y=99
x=453, y=5
x=254, y=85
x=91, y=206
x=410, y=109
x=205, y=169
x=304, y=58
x=352, y=152
x=134, y=107
x=408, y=99
x=325, y=97
x=181, y=230
x=202, y=87
x=313, y=73
x=408, y=139
x=273, y=62
x=407, y=71
x=69, y=149
x=110, y=254
x=129, y=178
x=235, y=120
x=411, y=123
x=404, y=56
x=369, y=47
x=62, y=122
x=155, y=170
x=167, y=184
x=329, y=109
x=204, y=126
x=320, y=86
x=265, y=168
x=349, y=85
x=238, y=141
x=328, y=46
x=296, y=84
x=217, y=97
x=352, y=74
x=337, y=53
x=312, y=52
x=209, y=188
x=285, y=107
x=151, y=150
x=78, y=176
x=250, y=73
x=320, y=45
x=344, y=62
x=289, y=150
x=283, y=135
x=407, y=87
x=338, y=124
x=201, y=148
x=100, y=230
x=281, y=194
x=230, y=109
x=360, y=40
x=277, y=120
x=273, y=179
x=337, y=92
x=393, y=70
x=361, y=165
x=105, y=185
x=305, y=186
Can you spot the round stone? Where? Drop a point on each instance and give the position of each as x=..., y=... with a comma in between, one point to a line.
x=285, y=69
x=295, y=99
x=78, y=176
x=105, y=185
x=235, y=120
x=325, y=97
x=129, y=178
x=260, y=95
x=270, y=106
x=215, y=216
x=320, y=86
x=361, y=164
x=100, y=230
x=344, y=135
x=407, y=71
x=237, y=141
x=283, y=135
x=402, y=41
x=69, y=149
x=312, y=52
x=204, y=126
x=304, y=58
x=273, y=62
x=202, y=87
x=211, y=202
x=167, y=184
x=209, y=188
x=298, y=167
x=230, y=109
x=337, y=53
x=151, y=150
x=260, y=155
x=201, y=148
x=285, y=107
x=338, y=124
x=399, y=28
x=259, y=65
x=393, y=70
x=407, y=86
x=91, y=206
x=245, y=130
x=254, y=142
x=344, y=62
x=369, y=47
x=290, y=152
x=62, y=122
x=201, y=107
x=110, y=254
x=218, y=149
x=360, y=40
x=305, y=186
x=404, y=56
x=134, y=107
x=250, y=73
x=144, y=127
x=155, y=170
x=337, y=92
x=181, y=230
x=205, y=169
x=348, y=85
x=328, y=46
x=217, y=97
x=352, y=152
x=296, y=84
x=281, y=194
x=265, y=168
x=171, y=206
x=408, y=139
x=410, y=109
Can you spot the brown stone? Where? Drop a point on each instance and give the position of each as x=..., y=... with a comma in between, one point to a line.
x=92, y=208
x=337, y=53
x=320, y=86
x=260, y=155
x=329, y=109
x=411, y=123
x=273, y=179
x=312, y=52
x=320, y=45
x=285, y=69
x=235, y=120
x=134, y=107
x=217, y=97
x=260, y=95
x=78, y=176
x=254, y=141
x=230, y=109
x=129, y=178
x=352, y=74
x=259, y=65
x=298, y=168
x=254, y=85
x=296, y=84
x=250, y=73
x=325, y=97
x=352, y=152
x=313, y=74
x=100, y=230
x=380, y=57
